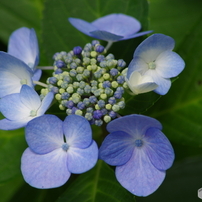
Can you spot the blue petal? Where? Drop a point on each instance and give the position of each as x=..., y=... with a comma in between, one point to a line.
x=23, y=45
x=137, y=64
x=138, y=175
x=135, y=125
x=77, y=131
x=82, y=25
x=106, y=36
x=163, y=84
x=153, y=46
x=44, y=134
x=118, y=24
x=82, y=160
x=6, y=124
x=45, y=104
x=12, y=71
x=12, y=107
x=136, y=35
x=159, y=149
x=30, y=98
x=37, y=75
x=169, y=64
x=117, y=148
x=45, y=171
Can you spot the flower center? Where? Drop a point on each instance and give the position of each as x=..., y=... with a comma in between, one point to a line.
x=65, y=146
x=23, y=81
x=138, y=143
x=152, y=65
x=33, y=113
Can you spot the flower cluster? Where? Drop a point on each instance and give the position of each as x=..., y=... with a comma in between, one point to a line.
x=89, y=86
x=88, y=83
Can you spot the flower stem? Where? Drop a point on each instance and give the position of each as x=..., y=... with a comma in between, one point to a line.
x=109, y=44
x=45, y=67
x=40, y=84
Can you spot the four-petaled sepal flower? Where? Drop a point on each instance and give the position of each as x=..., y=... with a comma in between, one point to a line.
x=154, y=58
x=57, y=149
x=113, y=27
x=20, y=108
x=140, y=152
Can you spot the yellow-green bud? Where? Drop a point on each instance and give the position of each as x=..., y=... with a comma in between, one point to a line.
x=61, y=90
x=89, y=67
x=114, y=84
x=108, y=106
x=79, y=112
x=61, y=107
x=106, y=76
x=103, y=96
x=59, y=82
x=58, y=96
x=93, y=54
x=97, y=107
x=107, y=119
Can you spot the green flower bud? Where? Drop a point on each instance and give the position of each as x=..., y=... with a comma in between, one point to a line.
x=58, y=96
x=107, y=119
x=108, y=106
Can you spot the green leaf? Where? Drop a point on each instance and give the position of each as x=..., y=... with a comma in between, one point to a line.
x=12, y=145
x=180, y=111
x=96, y=185
x=15, y=14
x=182, y=183
x=60, y=35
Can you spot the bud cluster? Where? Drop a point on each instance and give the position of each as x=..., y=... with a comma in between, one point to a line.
x=88, y=83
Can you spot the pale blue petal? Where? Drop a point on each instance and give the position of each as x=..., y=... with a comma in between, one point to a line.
x=158, y=149
x=78, y=132
x=135, y=125
x=45, y=104
x=117, y=148
x=136, y=35
x=137, y=64
x=163, y=84
x=153, y=46
x=106, y=36
x=82, y=25
x=118, y=24
x=82, y=160
x=169, y=64
x=30, y=98
x=45, y=171
x=23, y=45
x=44, y=134
x=12, y=71
x=6, y=124
x=37, y=75
x=12, y=107
x=138, y=175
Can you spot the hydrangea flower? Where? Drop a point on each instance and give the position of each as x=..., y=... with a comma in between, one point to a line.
x=13, y=74
x=20, y=108
x=57, y=149
x=140, y=84
x=140, y=152
x=113, y=27
x=154, y=57
x=23, y=44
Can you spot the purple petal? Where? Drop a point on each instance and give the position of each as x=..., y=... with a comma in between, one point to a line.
x=45, y=171
x=23, y=45
x=12, y=107
x=118, y=24
x=159, y=149
x=135, y=125
x=45, y=104
x=77, y=131
x=12, y=72
x=44, y=134
x=82, y=160
x=163, y=84
x=106, y=36
x=30, y=98
x=6, y=124
x=153, y=46
x=82, y=25
x=169, y=64
x=117, y=148
x=138, y=175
